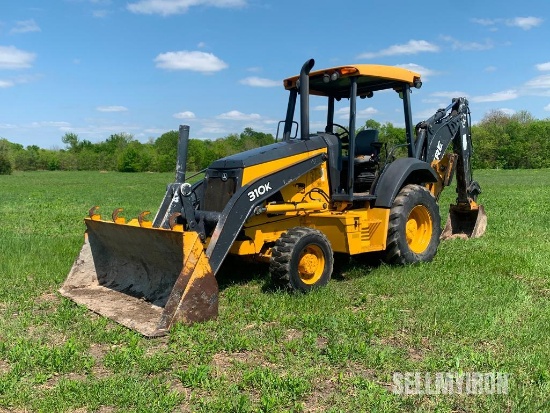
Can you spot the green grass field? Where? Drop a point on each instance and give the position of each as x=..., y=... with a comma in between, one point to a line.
x=481, y=306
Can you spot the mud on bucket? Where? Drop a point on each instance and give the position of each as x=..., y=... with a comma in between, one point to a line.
x=465, y=223
x=143, y=278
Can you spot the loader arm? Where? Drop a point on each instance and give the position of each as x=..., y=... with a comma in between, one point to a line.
x=148, y=277
x=241, y=206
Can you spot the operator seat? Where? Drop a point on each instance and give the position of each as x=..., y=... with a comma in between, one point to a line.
x=364, y=150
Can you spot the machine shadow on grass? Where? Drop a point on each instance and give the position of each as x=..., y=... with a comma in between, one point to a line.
x=238, y=271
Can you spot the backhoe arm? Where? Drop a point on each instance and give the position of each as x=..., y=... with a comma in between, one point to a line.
x=434, y=136
x=449, y=125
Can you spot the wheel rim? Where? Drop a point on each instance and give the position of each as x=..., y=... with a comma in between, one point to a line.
x=419, y=229
x=311, y=264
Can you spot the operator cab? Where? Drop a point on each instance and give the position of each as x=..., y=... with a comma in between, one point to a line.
x=350, y=180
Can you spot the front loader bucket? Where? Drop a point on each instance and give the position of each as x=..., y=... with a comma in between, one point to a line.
x=143, y=278
x=465, y=222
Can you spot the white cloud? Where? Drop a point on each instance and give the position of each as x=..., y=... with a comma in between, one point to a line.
x=342, y=113
x=490, y=69
x=260, y=82
x=486, y=22
x=468, y=46
x=411, y=47
x=154, y=131
x=201, y=45
x=168, y=7
x=320, y=107
x=525, y=23
x=13, y=58
x=507, y=111
x=543, y=66
x=236, y=115
x=547, y=107
x=424, y=72
x=184, y=115
x=213, y=128
x=429, y=100
x=49, y=123
x=25, y=26
x=449, y=95
x=426, y=113
x=539, y=82
x=367, y=112
x=190, y=60
x=6, y=83
x=497, y=96
x=111, y=109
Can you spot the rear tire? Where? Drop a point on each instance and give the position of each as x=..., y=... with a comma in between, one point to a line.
x=302, y=259
x=414, y=227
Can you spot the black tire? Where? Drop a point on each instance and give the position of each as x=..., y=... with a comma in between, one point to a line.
x=302, y=259
x=414, y=227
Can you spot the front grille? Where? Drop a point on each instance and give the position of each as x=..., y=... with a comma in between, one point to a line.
x=218, y=193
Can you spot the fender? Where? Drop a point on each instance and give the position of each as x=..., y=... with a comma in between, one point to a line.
x=399, y=173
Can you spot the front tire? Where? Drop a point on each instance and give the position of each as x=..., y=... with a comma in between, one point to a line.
x=302, y=259
x=414, y=227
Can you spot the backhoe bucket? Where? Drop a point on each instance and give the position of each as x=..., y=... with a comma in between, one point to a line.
x=144, y=278
x=465, y=223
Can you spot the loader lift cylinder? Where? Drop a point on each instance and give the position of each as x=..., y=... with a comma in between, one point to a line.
x=172, y=200
x=183, y=143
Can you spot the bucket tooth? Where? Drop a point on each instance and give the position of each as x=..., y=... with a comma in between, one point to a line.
x=92, y=213
x=172, y=220
x=141, y=220
x=116, y=219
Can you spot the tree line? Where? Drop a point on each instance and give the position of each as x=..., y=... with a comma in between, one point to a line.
x=500, y=140
x=121, y=152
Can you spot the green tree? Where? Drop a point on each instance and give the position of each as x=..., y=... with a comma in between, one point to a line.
x=133, y=158
x=250, y=139
x=197, y=158
x=5, y=164
x=370, y=124
x=166, y=147
x=71, y=140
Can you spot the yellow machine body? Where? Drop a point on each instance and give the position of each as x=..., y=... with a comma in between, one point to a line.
x=292, y=203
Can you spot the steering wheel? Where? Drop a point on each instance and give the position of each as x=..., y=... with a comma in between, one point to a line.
x=340, y=135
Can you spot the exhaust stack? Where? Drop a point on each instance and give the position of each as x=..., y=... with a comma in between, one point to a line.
x=304, y=98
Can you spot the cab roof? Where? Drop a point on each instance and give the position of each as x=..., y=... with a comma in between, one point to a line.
x=335, y=81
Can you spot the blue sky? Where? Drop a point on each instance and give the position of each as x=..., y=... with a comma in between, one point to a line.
x=98, y=67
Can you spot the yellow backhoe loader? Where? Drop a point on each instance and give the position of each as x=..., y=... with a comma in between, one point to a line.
x=292, y=204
